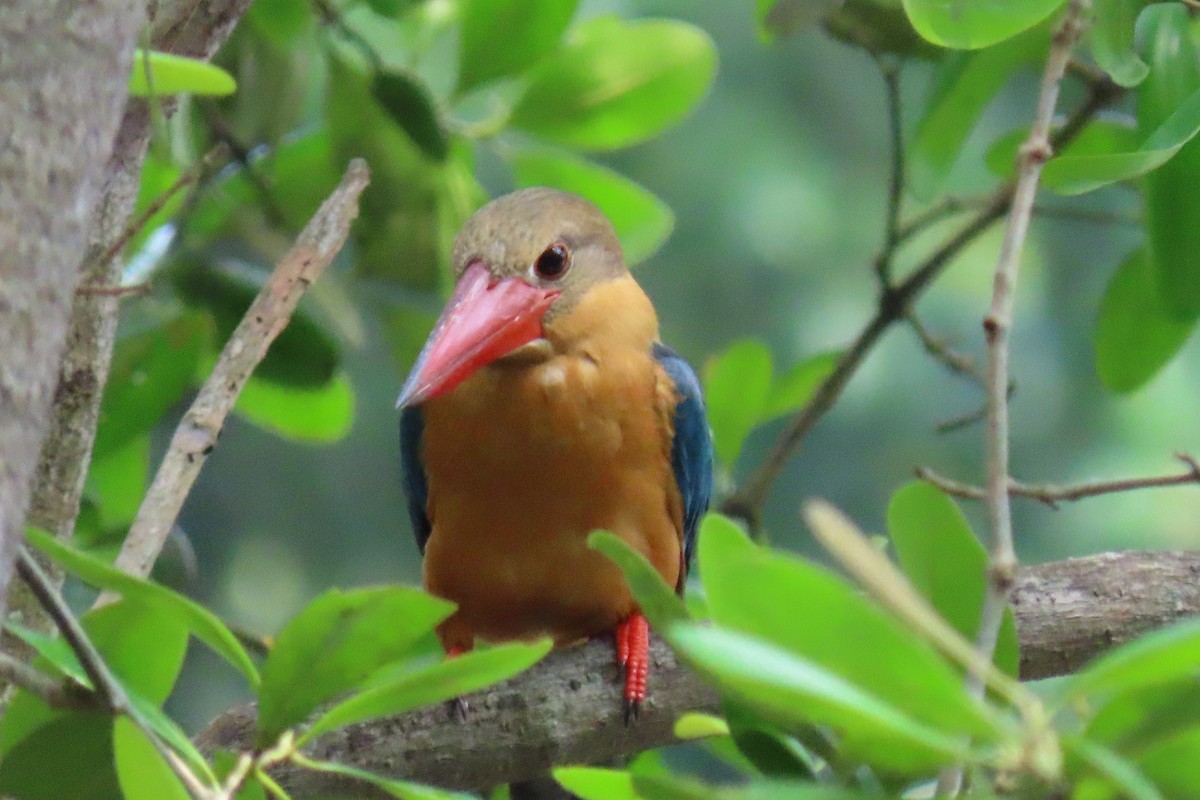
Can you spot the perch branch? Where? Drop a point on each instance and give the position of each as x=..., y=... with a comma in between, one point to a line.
x=894, y=304
x=567, y=709
x=197, y=433
x=1052, y=494
x=891, y=232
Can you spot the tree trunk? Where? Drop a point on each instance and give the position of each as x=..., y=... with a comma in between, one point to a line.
x=64, y=71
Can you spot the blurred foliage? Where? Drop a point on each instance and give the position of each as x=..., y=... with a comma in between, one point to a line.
x=826, y=693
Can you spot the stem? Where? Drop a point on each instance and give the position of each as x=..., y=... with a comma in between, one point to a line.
x=1052, y=494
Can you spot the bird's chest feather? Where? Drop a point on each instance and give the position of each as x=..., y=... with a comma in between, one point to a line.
x=523, y=462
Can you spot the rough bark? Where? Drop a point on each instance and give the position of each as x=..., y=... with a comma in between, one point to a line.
x=64, y=68
x=567, y=709
x=185, y=27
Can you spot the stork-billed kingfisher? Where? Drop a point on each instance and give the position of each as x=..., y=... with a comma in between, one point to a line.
x=544, y=407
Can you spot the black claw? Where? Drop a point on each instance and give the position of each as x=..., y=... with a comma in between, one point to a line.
x=458, y=708
x=633, y=709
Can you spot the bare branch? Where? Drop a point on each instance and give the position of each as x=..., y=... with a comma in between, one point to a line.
x=1002, y=560
x=105, y=683
x=891, y=238
x=1034, y=153
x=567, y=709
x=1052, y=494
x=746, y=503
x=197, y=433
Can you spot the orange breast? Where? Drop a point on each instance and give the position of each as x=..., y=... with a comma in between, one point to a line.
x=523, y=462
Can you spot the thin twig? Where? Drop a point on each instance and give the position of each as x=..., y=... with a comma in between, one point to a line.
x=746, y=503
x=1033, y=155
x=967, y=420
x=957, y=363
x=131, y=290
x=197, y=433
x=103, y=681
x=220, y=130
x=1053, y=494
x=891, y=236
x=189, y=176
x=62, y=693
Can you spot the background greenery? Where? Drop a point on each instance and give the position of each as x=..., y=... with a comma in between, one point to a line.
x=778, y=186
x=773, y=175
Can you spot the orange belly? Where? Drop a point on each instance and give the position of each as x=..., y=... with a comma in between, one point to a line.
x=523, y=462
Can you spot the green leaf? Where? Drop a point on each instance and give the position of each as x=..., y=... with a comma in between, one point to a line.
x=697, y=725
x=116, y=482
x=410, y=105
x=151, y=370
x=69, y=757
x=1170, y=764
x=142, y=772
x=945, y=562
x=164, y=74
x=404, y=790
x=1111, y=37
x=805, y=609
x=596, y=783
x=303, y=414
x=531, y=30
x=1172, y=205
x=642, y=221
x=445, y=680
x=661, y=605
x=616, y=83
x=1076, y=174
x=1100, y=137
x=142, y=644
x=281, y=21
x=737, y=383
x=792, y=391
x=965, y=85
x=299, y=173
x=1134, y=718
x=1160, y=657
x=1114, y=769
x=968, y=25
x=304, y=353
x=334, y=644
x=200, y=621
x=170, y=732
x=53, y=649
x=779, y=18
x=414, y=206
x=879, y=27
x=158, y=175
x=1136, y=335
x=792, y=688
x=767, y=748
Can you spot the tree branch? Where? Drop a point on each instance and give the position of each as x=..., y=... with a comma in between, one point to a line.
x=894, y=304
x=1052, y=494
x=56, y=693
x=1002, y=561
x=196, y=435
x=567, y=709
x=64, y=70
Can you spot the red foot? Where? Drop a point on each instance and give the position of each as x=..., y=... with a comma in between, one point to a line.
x=456, y=650
x=633, y=653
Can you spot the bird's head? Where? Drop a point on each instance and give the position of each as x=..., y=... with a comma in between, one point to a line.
x=520, y=262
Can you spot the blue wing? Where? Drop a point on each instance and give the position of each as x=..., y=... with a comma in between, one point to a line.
x=691, y=450
x=416, y=487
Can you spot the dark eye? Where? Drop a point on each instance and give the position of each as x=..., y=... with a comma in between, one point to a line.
x=554, y=262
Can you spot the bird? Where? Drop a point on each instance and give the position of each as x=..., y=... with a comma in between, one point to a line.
x=543, y=407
